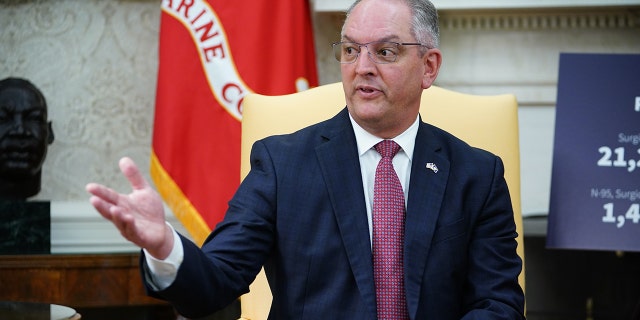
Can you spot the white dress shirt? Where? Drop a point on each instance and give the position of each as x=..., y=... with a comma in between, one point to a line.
x=369, y=159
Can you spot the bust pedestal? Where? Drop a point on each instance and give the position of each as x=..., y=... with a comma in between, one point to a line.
x=25, y=227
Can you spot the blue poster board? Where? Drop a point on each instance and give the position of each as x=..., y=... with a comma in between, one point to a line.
x=595, y=182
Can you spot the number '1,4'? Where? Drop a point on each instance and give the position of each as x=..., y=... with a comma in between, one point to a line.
x=633, y=214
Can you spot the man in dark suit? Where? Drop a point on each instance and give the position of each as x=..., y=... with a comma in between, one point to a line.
x=307, y=210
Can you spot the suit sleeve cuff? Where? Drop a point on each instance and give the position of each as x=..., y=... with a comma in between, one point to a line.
x=162, y=273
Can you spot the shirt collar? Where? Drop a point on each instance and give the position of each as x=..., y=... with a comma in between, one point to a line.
x=366, y=140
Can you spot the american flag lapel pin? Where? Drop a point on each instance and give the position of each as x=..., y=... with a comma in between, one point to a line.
x=432, y=166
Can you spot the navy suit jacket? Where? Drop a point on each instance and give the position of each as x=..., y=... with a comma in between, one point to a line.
x=300, y=212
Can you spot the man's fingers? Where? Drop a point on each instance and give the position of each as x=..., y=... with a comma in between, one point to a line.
x=105, y=194
x=101, y=206
x=124, y=223
x=131, y=171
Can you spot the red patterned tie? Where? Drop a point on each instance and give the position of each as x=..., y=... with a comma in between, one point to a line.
x=388, y=236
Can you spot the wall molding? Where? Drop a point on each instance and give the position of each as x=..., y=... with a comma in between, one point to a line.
x=527, y=93
x=541, y=20
x=76, y=227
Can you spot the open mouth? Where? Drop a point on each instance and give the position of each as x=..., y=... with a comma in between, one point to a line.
x=367, y=89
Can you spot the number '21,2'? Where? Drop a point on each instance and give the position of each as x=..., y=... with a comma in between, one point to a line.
x=620, y=162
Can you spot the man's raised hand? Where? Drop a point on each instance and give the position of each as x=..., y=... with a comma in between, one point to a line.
x=138, y=215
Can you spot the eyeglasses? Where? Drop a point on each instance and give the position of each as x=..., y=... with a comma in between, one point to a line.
x=378, y=51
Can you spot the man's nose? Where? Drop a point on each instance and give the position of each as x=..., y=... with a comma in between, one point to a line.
x=18, y=127
x=364, y=63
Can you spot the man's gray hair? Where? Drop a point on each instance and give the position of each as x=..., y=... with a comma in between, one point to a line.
x=424, y=25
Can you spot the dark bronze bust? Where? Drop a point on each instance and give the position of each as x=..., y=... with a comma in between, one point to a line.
x=25, y=134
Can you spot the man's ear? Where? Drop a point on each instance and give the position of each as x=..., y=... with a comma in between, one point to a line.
x=50, y=133
x=432, y=62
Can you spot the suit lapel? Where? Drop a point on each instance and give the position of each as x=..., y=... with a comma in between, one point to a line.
x=339, y=161
x=426, y=192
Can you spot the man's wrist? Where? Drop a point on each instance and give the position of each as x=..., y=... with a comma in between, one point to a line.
x=163, y=251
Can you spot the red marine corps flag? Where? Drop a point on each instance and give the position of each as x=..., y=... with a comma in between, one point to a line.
x=212, y=53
